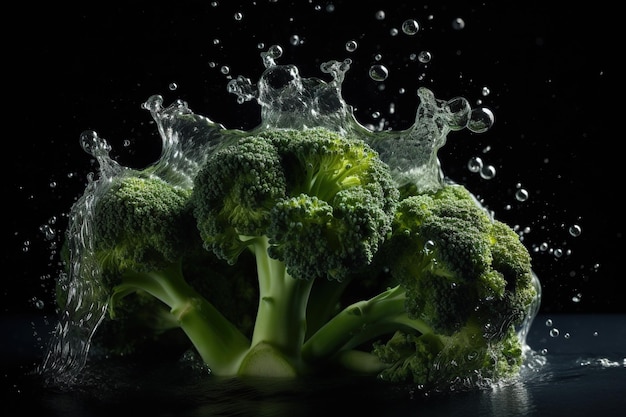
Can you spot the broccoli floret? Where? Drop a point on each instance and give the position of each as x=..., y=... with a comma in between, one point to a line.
x=143, y=232
x=464, y=285
x=309, y=204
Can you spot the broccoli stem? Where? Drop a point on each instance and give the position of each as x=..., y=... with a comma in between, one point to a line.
x=361, y=322
x=220, y=344
x=281, y=316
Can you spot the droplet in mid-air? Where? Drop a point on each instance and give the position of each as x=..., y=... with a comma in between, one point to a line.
x=378, y=72
x=410, y=26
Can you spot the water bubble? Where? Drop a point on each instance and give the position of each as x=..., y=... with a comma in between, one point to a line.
x=93, y=144
x=380, y=15
x=330, y=8
x=566, y=336
x=575, y=230
x=549, y=323
x=475, y=164
x=424, y=57
x=225, y=69
x=351, y=46
x=47, y=231
x=238, y=16
x=429, y=246
x=488, y=172
x=481, y=120
x=378, y=72
x=294, y=40
x=577, y=298
x=393, y=31
x=410, y=26
x=173, y=86
x=554, y=332
x=458, y=23
x=39, y=304
x=558, y=253
x=521, y=195
x=485, y=91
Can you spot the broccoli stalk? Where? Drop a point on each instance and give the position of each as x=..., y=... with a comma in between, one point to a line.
x=280, y=323
x=216, y=339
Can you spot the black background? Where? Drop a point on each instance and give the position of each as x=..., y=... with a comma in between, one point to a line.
x=550, y=70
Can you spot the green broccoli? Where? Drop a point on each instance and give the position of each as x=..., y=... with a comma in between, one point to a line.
x=293, y=252
x=463, y=287
x=144, y=237
x=310, y=205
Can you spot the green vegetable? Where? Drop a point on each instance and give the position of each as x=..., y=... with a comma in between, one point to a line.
x=295, y=253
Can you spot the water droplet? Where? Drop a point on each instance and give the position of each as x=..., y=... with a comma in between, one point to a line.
x=429, y=246
x=47, y=231
x=410, y=27
x=521, y=195
x=458, y=23
x=378, y=72
x=475, y=164
x=488, y=172
x=575, y=230
x=481, y=120
x=424, y=57
x=351, y=46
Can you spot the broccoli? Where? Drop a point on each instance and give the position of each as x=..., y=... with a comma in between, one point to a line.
x=294, y=252
x=144, y=236
x=461, y=286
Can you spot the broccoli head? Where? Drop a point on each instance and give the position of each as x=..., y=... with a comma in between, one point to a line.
x=323, y=200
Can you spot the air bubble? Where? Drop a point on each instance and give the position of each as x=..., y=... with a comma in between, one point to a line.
x=424, y=57
x=575, y=230
x=410, y=27
x=481, y=120
x=380, y=15
x=475, y=164
x=554, y=332
x=378, y=72
x=521, y=195
x=488, y=172
x=458, y=23
x=351, y=46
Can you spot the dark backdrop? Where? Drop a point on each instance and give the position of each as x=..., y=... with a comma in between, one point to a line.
x=553, y=89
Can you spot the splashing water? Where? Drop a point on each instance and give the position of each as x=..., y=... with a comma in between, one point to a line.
x=287, y=100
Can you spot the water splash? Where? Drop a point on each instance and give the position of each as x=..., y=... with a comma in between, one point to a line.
x=286, y=100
